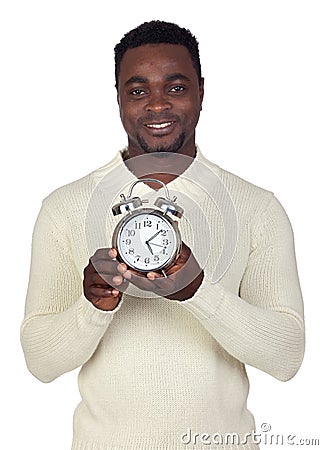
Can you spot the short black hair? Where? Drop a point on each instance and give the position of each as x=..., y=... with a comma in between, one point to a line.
x=158, y=32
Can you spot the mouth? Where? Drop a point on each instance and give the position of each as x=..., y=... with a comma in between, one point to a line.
x=159, y=126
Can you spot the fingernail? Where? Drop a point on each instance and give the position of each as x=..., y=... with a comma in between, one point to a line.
x=117, y=279
x=127, y=275
x=151, y=276
x=122, y=267
x=112, y=253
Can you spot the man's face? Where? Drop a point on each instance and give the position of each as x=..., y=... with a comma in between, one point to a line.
x=159, y=98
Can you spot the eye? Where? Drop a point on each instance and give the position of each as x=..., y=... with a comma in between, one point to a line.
x=137, y=92
x=177, y=89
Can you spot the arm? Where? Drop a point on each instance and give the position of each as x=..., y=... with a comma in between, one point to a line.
x=61, y=329
x=263, y=325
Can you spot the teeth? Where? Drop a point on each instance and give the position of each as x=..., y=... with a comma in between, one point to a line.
x=159, y=125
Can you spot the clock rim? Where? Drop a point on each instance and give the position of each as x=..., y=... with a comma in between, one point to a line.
x=144, y=211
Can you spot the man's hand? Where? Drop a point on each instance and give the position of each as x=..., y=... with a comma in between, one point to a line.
x=103, y=282
x=182, y=279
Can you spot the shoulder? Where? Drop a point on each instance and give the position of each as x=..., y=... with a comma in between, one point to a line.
x=76, y=194
x=246, y=196
x=261, y=205
x=253, y=204
x=67, y=206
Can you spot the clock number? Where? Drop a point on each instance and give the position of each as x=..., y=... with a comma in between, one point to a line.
x=156, y=258
x=147, y=223
x=137, y=225
x=147, y=260
x=165, y=241
x=131, y=251
x=130, y=233
x=163, y=232
x=128, y=241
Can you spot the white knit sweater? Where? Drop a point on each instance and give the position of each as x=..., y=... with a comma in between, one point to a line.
x=153, y=368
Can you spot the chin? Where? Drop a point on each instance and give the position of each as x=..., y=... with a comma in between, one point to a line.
x=173, y=147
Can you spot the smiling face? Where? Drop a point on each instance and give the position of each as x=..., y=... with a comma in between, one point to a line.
x=160, y=99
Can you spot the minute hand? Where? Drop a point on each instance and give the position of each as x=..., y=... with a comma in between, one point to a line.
x=153, y=237
x=157, y=245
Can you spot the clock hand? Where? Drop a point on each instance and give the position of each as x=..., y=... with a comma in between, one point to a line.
x=149, y=248
x=157, y=245
x=153, y=237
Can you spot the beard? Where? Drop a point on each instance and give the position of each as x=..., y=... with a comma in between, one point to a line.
x=161, y=150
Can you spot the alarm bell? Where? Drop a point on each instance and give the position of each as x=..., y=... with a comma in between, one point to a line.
x=126, y=205
x=169, y=206
x=129, y=203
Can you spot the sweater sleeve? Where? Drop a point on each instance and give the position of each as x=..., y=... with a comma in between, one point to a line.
x=262, y=326
x=61, y=328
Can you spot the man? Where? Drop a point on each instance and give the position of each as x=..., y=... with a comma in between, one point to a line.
x=163, y=356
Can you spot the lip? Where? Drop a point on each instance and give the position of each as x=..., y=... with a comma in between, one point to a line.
x=160, y=128
x=159, y=125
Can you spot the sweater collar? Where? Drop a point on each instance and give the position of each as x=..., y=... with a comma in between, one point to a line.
x=189, y=173
x=115, y=178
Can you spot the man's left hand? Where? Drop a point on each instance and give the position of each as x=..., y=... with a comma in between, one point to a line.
x=182, y=280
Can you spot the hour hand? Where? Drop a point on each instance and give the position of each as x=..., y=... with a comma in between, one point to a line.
x=149, y=247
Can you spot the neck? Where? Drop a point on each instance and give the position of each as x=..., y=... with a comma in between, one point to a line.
x=164, y=167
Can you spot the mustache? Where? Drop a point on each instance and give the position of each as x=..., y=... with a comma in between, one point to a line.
x=159, y=118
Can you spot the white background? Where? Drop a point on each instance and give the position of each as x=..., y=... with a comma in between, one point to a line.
x=262, y=119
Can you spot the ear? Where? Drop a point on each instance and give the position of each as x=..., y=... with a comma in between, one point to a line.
x=201, y=92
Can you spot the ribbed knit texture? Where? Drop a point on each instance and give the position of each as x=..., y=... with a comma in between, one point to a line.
x=152, y=369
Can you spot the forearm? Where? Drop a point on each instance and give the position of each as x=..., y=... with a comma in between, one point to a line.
x=59, y=342
x=270, y=340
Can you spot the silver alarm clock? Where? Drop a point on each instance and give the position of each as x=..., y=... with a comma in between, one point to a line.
x=147, y=239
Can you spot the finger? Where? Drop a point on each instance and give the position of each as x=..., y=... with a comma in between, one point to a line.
x=101, y=267
x=104, y=253
x=106, y=304
x=99, y=292
x=108, y=288
x=106, y=268
x=104, y=272
x=122, y=268
x=108, y=279
x=164, y=285
x=112, y=252
x=112, y=282
x=153, y=275
x=104, y=279
x=104, y=264
x=139, y=280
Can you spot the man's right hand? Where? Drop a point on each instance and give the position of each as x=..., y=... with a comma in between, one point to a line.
x=103, y=279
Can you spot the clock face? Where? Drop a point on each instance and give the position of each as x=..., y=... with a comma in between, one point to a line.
x=147, y=240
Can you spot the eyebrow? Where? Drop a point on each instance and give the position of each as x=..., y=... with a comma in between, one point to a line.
x=177, y=76
x=171, y=77
x=136, y=79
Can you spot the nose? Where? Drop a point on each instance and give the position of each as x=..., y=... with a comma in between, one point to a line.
x=158, y=102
